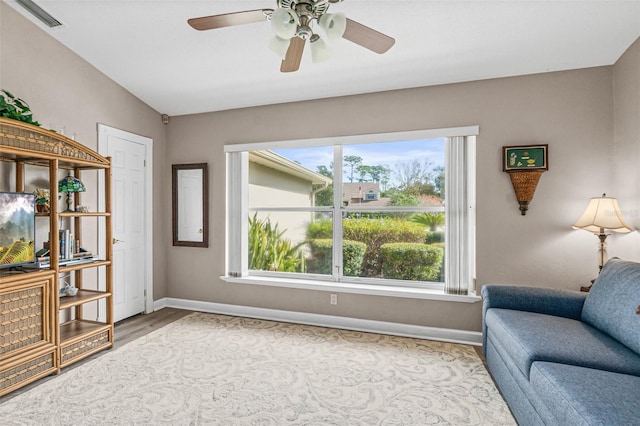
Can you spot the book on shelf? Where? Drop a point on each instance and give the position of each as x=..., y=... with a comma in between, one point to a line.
x=66, y=244
x=69, y=248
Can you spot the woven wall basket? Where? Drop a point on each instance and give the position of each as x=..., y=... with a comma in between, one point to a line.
x=524, y=183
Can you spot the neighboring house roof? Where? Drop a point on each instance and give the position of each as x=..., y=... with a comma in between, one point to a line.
x=355, y=193
x=272, y=160
x=430, y=201
x=357, y=189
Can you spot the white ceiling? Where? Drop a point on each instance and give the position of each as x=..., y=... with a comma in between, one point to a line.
x=147, y=47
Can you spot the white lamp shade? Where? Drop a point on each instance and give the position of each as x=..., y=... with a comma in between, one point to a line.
x=279, y=46
x=602, y=213
x=333, y=24
x=319, y=50
x=284, y=23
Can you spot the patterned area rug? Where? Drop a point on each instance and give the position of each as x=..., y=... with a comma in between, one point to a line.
x=221, y=370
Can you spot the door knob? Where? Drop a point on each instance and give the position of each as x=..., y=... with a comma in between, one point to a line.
x=115, y=241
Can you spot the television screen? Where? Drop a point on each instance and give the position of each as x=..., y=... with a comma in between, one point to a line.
x=17, y=228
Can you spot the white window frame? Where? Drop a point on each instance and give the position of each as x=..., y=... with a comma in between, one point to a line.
x=460, y=263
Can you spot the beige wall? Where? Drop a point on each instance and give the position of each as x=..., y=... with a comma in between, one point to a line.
x=626, y=170
x=571, y=111
x=64, y=90
x=273, y=188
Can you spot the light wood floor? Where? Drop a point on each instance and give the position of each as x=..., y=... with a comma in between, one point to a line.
x=125, y=331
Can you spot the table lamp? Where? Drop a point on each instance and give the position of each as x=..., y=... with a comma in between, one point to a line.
x=70, y=184
x=602, y=214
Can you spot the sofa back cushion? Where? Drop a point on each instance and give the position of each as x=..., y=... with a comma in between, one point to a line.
x=613, y=300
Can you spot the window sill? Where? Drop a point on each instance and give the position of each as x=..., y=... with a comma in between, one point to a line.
x=369, y=289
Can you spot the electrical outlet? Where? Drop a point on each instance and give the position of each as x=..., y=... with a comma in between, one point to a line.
x=334, y=299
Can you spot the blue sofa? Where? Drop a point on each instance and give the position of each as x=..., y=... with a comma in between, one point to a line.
x=563, y=357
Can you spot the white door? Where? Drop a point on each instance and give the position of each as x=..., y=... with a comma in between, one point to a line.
x=131, y=213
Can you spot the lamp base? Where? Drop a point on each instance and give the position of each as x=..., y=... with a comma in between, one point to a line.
x=69, y=202
x=587, y=288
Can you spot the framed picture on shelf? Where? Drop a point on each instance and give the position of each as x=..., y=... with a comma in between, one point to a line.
x=525, y=157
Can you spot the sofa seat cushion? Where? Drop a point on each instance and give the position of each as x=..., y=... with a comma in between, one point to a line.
x=613, y=300
x=528, y=337
x=584, y=396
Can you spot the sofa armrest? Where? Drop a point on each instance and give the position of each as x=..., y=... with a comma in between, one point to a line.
x=562, y=303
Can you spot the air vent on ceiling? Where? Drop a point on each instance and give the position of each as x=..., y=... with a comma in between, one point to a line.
x=39, y=13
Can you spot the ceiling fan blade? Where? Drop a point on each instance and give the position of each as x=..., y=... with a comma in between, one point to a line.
x=292, y=61
x=367, y=37
x=229, y=19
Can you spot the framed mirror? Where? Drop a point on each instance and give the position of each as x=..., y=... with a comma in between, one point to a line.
x=190, y=198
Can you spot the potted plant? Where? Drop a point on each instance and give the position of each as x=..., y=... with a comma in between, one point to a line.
x=15, y=108
x=42, y=200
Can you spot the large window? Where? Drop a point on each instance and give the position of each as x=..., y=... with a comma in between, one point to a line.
x=393, y=209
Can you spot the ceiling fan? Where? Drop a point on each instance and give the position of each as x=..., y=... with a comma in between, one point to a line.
x=292, y=23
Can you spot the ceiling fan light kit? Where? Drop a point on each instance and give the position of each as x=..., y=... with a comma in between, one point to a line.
x=284, y=23
x=333, y=24
x=279, y=46
x=292, y=23
x=319, y=50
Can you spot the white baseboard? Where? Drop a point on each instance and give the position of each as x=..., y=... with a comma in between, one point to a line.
x=346, y=323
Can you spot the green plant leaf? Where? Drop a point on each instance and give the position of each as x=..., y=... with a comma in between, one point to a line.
x=15, y=108
x=9, y=95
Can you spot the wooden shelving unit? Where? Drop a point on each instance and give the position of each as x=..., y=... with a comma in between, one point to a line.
x=81, y=338
x=28, y=331
x=51, y=344
x=79, y=266
x=82, y=297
